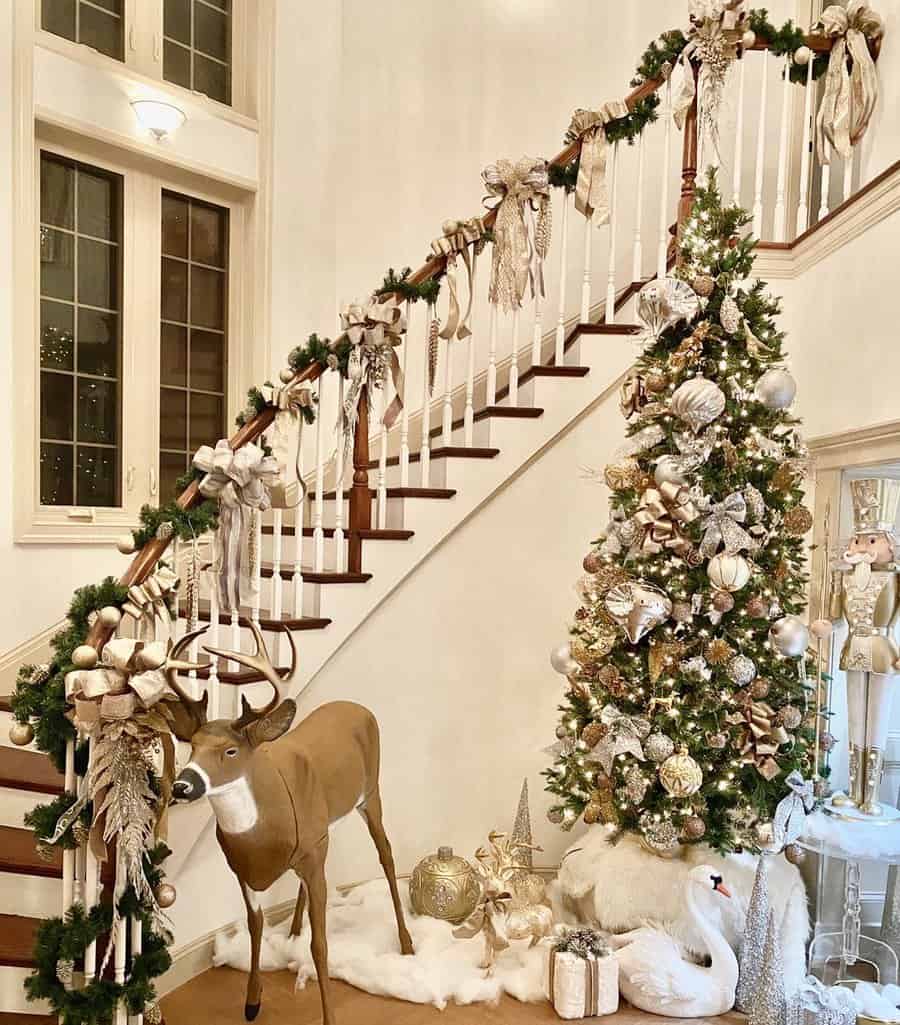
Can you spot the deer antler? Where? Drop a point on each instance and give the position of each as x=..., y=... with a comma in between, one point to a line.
x=260, y=661
x=195, y=708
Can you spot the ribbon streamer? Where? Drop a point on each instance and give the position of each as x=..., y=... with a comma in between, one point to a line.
x=791, y=811
x=659, y=519
x=589, y=127
x=723, y=526
x=521, y=189
x=150, y=600
x=289, y=401
x=851, y=92
x=457, y=237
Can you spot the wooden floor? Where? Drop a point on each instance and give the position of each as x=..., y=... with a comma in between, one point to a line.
x=217, y=997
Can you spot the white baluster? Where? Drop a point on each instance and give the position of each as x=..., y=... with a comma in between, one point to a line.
x=491, y=399
x=404, y=413
x=848, y=177
x=425, y=446
x=213, y=710
x=739, y=133
x=90, y=888
x=319, y=514
x=469, y=414
x=662, y=255
x=825, y=186
x=381, y=475
x=447, y=408
x=277, y=599
x=119, y=940
x=803, y=205
x=80, y=887
x=137, y=945
x=340, y=549
x=780, y=208
x=760, y=150
x=609, y=313
x=69, y=855
x=176, y=597
x=299, y=523
x=514, y=360
x=585, y=314
x=559, y=351
x=637, y=258
x=256, y=542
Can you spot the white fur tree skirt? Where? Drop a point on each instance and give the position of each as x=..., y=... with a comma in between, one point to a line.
x=877, y=840
x=363, y=950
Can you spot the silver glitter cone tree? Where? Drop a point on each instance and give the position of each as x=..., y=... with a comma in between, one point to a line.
x=684, y=663
x=769, y=1006
x=754, y=940
x=521, y=830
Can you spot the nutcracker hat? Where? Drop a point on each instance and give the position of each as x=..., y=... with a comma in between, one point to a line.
x=876, y=502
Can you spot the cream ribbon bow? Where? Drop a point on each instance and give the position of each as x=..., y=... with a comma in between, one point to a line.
x=589, y=126
x=129, y=677
x=150, y=599
x=850, y=96
x=457, y=237
x=521, y=189
x=289, y=401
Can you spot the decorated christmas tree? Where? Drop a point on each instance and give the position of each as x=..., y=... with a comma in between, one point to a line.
x=685, y=669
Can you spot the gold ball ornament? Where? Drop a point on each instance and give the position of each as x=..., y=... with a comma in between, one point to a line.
x=748, y=39
x=790, y=717
x=694, y=828
x=722, y=601
x=286, y=375
x=623, y=475
x=703, y=285
x=110, y=617
x=656, y=381
x=728, y=572
x=821, y=629
x=84, y=657
x=802, y=56
x=165, y=895
x=798, y=521
x=757, y=607
x=125, y=544
x=681, y=775
x=795, y=854
x=593, y=812
x=21, y=733
x=593, y=733
x=444, y=886
x=592, y=562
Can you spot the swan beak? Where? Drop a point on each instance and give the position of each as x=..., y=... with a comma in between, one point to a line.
x=723, y=889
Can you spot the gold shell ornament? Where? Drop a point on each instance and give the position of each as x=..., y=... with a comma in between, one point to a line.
x=444, y=886
x=663, y=303
x=681, y=775
x=698, y=402
x=638, y=607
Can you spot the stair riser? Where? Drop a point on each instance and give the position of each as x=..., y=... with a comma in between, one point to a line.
x=15, y=803
x=12, y=992
x=32, y=896
x=394, y=512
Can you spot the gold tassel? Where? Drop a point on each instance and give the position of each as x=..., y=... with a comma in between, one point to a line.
x=433, y=332
x=544, y=229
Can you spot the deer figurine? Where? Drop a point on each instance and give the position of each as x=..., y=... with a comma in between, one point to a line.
x=275, y=791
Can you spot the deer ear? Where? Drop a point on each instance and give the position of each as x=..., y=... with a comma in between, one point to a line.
x=272, y=726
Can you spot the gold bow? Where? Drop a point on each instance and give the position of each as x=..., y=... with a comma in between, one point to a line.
x=457, y=237
x=519, y=245
x=660, y=516
x=850, y=95
x=374, y=331
x=632, y=395
x=761, y=737
x=589, y=126
x=491, y=905
x=151, y=598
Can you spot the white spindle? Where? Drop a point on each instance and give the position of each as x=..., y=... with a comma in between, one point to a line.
x=825, y=186
x=469, y=414
x=340, y=550
x=381, y=475
x=425, y=445
x=514, y=360
x=739, y=134
x=119, y=939
x=90, y=888
x=848, y=177
x=609, y=313
x=637, y=258
x=176, y=597
x=300, y=514
x=492, y=359
x=803, y=205
x=760, y=150
x=214, y=642
x=277, y=592
x=256, y=542
x=137, y=945
x=80, y=889
x=404, y=413
x=447, y=407
x=662, y=255
x=560, y=341
x=69, y=855
x=780, y=188
x=585, y=314
x=319, y=514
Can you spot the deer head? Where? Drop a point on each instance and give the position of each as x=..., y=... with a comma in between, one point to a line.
x=222, y=750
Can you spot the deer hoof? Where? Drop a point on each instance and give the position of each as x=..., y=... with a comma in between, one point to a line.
x=251, y=1011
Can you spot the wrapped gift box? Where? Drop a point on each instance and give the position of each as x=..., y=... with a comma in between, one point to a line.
x=581, y=987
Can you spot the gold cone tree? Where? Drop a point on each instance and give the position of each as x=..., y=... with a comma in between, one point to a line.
x=686, y=696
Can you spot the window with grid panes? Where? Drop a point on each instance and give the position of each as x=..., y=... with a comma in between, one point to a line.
x=193, y=343
x=80, y=333
x=197, y=46
x=96, y=23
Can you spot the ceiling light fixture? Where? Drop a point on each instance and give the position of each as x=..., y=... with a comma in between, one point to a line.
x=159, y=118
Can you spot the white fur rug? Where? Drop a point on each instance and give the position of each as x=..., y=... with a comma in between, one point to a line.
x=622, y=886
x=363, y=950
x=873, y=841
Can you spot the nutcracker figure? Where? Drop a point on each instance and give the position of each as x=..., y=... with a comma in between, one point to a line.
x=864, y=591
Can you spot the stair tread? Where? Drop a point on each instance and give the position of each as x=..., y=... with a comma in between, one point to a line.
x=21, y=1018
x=17, y=940
x=513, y=412
x=563, y=371
x=398, y=493
x=5, y=703
x=442, y=452
x=321, y=577
x=29, y=770
x=18, y=855
x=266, y=621
x=606, y=329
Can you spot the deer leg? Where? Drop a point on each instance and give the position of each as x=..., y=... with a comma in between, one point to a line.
x=297, y=920
x=255, y=927
x=313, y=871
x=371, y=812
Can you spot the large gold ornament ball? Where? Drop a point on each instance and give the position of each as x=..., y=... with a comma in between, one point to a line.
x=656, y=381
x=798, y=521
x=728, y=572
x=530, y=889
x=286, y=375
x=622, y=475
x=444, y=886
x=110, y=617
x=681, y=775
x=125, y=544
x=84, y=657
x=21, y=733
x=165, y=895
x=795, y=854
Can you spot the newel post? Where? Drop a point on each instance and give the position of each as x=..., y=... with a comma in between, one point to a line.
x=688, y=163
x=360, y=517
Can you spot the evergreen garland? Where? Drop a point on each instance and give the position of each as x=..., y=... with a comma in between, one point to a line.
x=660, y=57
x=42, y=819
x=784, y=42
x=564, y=176
x=187, y=524
x=426, y=290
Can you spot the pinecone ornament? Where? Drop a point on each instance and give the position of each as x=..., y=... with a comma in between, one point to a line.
x=730, y=315
x=593, y=733
x=153, y=1015
x=65, y=971
x=703, y=285
x=694, y=828
x=45, y=851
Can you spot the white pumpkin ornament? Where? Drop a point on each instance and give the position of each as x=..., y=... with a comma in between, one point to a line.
x=698, y=402
x=776, y=389
x=84, y=657
x=125, y=544
x=802, y=56
x=728, y=572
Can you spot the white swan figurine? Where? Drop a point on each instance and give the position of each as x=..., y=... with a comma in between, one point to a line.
x=655, y=977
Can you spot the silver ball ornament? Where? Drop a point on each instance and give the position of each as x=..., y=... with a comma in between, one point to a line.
x=165, y=895
x=741, y=670
x=110, y=617
x=821, y=629
x=21, y=733
x=789, y=636
x=658, y=747
x=776, y=389
x=697, y=402
x=125, y=544
x=802, y=56
x=668, y=471
x=84, y=657
x=748, y=39
x=286, y=375
x=562, y=661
